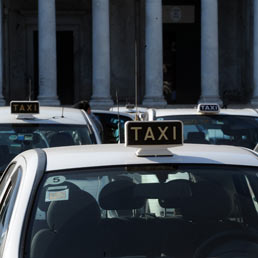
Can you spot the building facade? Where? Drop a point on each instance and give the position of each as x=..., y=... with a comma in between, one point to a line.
x=145, y=52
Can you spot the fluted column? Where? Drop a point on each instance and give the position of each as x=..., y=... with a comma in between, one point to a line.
x=2, y=101
x=153, y=54
x=209, y=52
x=47, y=53
x=254, y=99
x=101, y=55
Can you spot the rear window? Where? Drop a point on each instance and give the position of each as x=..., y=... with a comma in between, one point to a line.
x=219, y=129
x=16, y=138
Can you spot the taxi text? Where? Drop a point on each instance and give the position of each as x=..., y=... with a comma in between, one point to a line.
x=154, y=133
x=24, y=107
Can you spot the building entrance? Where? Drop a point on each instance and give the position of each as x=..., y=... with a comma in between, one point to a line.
x=181, y=51
x=65, y=66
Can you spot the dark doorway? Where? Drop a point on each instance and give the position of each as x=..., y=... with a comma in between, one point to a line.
x=181, y=51
x=65, y=67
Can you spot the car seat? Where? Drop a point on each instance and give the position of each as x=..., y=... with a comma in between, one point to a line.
x=73, y=228
x=196, y=137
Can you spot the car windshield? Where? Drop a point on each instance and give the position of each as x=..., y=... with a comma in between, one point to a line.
x=219, y=129
x=140, y=211
x=16, y=138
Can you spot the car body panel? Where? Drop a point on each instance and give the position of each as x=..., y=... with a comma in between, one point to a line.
x=193, y=111
x=106, y=155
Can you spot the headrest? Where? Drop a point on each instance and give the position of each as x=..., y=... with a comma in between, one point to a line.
x=72, y=206
x=119, y=195
x=4, y=149
x=61, y=139
x=44, y=203
x=4, y=155
x=209, y=201
x=195, y=135
x=176, y=193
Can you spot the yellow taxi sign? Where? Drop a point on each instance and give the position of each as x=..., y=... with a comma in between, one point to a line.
x=208, y=108
x=153, y=133
x=24, y=107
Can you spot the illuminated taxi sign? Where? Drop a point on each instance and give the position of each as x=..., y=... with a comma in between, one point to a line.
x=24, y=107
x=153, y=133
x=208, y=108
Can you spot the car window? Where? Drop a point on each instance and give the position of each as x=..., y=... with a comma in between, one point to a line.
x=113, y=127
x=140, y=211
x=219, y=129
x=16, y=138
x=8, y=191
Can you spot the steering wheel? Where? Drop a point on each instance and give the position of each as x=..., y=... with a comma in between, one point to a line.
x=221, y=238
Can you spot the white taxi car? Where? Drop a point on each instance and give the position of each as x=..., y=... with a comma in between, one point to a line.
x=135, y=200
x=25, y=125
x=210, y=124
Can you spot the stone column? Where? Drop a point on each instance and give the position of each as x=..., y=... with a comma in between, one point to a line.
x=2, y=101
x=101, y=55
x=47, y=53
x=209, y=52
x=153, y=54
x=254, y=100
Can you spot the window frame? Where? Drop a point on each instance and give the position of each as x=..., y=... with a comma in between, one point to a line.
x=11, y=181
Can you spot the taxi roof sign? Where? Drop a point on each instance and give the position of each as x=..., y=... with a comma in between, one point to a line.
x=208, y=108
x=153, y=137
x=142, y=133
x=24, y=107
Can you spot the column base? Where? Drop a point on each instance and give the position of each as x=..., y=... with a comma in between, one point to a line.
x=101, y=102
x=210, y=99
x=49, y=101
x=2, y=102
x=254, y=102
x=154, y=102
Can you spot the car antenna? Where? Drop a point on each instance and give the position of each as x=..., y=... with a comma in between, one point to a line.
x=29, y=89
x=62, y=112
x=136, y=80
x=118, y=117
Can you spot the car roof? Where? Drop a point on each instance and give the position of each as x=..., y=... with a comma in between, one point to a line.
x=98, y=111
x=193, y=111
x=47, y=115
x=72, y=157
x=129, y=109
